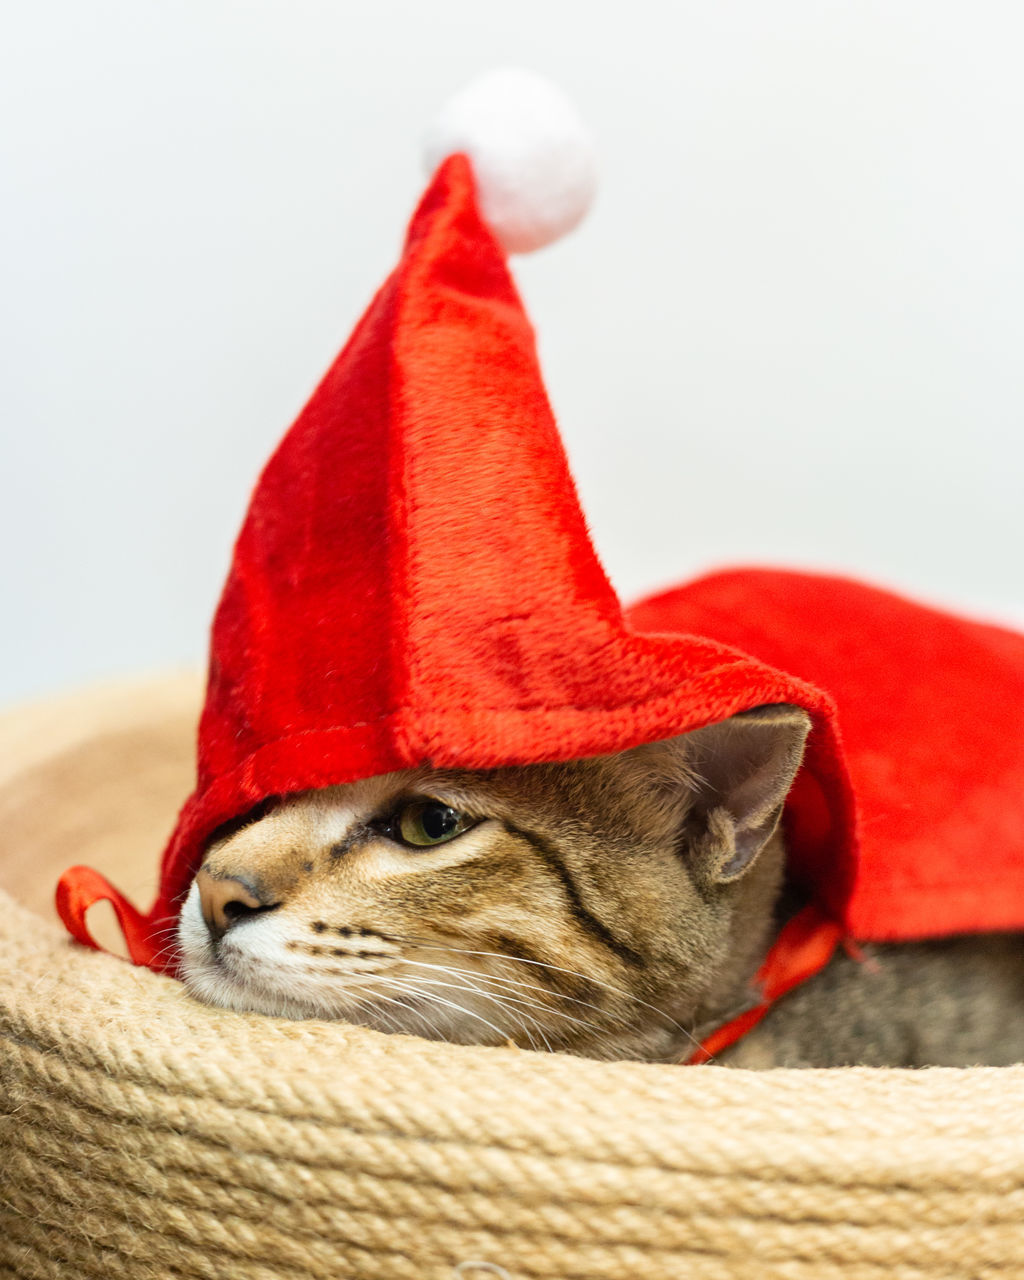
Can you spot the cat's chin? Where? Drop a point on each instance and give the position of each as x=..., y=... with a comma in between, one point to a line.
x=215, y=981
x=233, y=981
x=229, y=978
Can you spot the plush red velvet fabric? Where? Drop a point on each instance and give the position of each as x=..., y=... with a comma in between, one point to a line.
x=414, y=583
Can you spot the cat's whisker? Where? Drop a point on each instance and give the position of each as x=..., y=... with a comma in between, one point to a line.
x=168, y=931
x=411, y=988
x=526, y=1021
x=487, y=995
x=522, y=1020
x=169, y=939
x=376, y=995
x=508, y=1004
x=558, y=969
x=506, y=999
x=370, y=984
x=450, y=1004
x=354, y=989
x=525, y=986
x=171, y=950
x=387, y=1019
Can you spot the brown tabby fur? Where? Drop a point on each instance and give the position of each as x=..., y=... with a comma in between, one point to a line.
x=613, y=908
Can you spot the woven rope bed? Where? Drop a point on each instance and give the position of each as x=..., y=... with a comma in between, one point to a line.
x=146, y=1136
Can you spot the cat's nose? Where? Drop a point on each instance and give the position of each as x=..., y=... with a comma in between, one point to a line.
x=226, y=901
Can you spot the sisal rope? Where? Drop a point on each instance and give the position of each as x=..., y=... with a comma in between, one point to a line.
x=148, y=1137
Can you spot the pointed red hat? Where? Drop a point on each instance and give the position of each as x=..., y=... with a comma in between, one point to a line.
x=414, y=582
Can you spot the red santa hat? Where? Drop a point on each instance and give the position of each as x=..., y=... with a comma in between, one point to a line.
x=414, y=582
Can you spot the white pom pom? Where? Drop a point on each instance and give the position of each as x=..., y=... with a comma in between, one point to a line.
x=533, y=159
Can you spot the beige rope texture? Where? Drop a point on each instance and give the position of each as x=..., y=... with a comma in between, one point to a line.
x=149, y=1137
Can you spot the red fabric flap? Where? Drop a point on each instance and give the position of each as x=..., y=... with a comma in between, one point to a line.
x=931, y=716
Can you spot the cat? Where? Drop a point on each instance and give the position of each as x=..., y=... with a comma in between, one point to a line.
x=615, y=907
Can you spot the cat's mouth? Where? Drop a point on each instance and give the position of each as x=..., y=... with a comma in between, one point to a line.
x=250, y=971
x=258, y=968
x=232, y=978
x=380, y=992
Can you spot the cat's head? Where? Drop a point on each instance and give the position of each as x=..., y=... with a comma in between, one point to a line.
x=601, y=906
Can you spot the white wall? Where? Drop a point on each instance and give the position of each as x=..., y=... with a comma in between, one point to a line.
x=791, y=329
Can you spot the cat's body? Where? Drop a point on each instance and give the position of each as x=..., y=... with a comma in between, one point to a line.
x=952, y=1002
x=615, y=907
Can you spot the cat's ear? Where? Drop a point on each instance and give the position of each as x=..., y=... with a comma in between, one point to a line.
x=741, y=770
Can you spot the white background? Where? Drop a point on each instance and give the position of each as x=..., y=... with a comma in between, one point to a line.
x=791, y=330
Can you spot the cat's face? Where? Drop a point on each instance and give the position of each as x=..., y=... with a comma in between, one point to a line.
x=553, y=906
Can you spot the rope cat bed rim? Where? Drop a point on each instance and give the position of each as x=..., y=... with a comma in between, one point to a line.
x=147, y=1136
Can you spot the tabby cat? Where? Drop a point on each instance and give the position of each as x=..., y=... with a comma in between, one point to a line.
x=614, y=907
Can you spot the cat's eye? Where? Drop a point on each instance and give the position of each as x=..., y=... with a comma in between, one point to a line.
x=423, y=823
